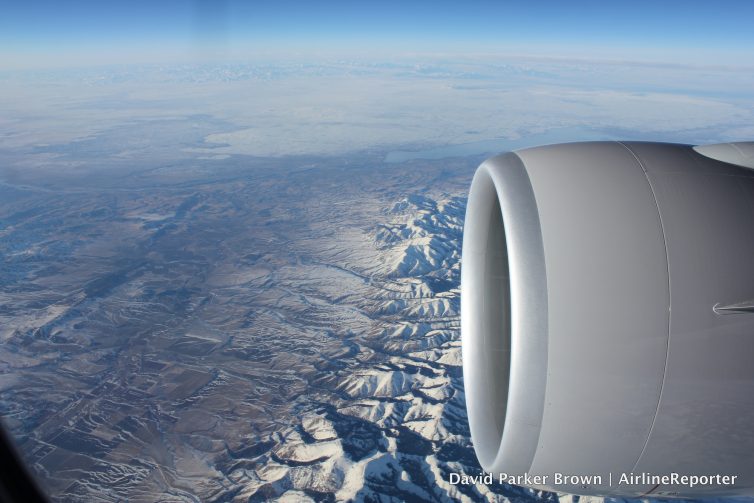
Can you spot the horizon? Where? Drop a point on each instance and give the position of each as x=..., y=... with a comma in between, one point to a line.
x=84, y=33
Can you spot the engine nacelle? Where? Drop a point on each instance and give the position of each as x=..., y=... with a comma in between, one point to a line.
x=607, y=313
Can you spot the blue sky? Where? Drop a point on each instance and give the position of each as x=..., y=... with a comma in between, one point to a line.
x=641, y=28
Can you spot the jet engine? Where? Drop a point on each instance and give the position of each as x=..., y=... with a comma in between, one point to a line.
x=607, y=314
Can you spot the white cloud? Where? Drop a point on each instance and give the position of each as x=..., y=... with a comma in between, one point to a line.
x=341, y=106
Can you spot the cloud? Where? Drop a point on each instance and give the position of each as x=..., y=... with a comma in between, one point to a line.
x=337, y=106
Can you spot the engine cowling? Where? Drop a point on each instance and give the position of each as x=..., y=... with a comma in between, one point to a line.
x=607, y=314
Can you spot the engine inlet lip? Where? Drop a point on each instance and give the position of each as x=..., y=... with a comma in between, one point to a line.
x=504, y=442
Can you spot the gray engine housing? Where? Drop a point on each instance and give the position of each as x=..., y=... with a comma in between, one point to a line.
x=607, y=313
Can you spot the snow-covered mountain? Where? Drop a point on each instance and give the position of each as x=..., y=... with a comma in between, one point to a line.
x=394, y=425
x=269, y=333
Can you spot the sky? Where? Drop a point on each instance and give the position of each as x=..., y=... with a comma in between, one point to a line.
x=57, y=33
